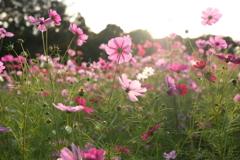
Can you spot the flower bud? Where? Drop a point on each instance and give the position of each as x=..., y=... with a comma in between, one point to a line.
x=20, y=41
x=24, y=54
x=119, y=108
x=9, y=47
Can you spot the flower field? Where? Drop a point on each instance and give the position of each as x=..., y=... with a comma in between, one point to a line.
x=128, y=105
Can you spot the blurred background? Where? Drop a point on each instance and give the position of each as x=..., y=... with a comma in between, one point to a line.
x=101, y=20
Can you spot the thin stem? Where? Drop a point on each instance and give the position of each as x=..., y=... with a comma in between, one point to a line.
x=1, y=45
x=68, y=48
x=44, y=49
x=191, y=44
x=22, y=47
x=114, y=78
x=46, y=42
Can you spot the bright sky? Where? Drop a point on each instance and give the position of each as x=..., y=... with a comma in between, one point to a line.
x=159, y=17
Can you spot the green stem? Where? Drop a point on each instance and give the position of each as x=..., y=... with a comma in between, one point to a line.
x=114, y=79
x=176, y=111
x=44, y=49
x=68, y=48
x=1, y=45
x=191, y=44
x=219, y=133
x=22, y=47
x=108, y=104
x=46, y=42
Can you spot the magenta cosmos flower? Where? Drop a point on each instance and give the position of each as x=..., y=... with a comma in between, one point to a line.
x=132, y=88
x=210, y=16
x=217, y=42
x=93, y=154
x=66, y=154
x=225, y=58
x=40, y=22
x=2, y=67
x=68, y=109
x=209, y=76
x=201, y=43
x=182, y=89
x=175, y=67
x=79, y=32
x=200, y=65
x=7, y=58
x=4, y=33
x=150, y=132
x=118, y=49
x=54, y=17
x=3, y=129
x=171, y=155
x=121, y=149
x=235, y=60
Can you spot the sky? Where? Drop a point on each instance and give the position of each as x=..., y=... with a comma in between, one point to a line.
x=159, y=17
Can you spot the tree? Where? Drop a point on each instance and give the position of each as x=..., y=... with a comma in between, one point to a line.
x=140, y=36
x=14, y=16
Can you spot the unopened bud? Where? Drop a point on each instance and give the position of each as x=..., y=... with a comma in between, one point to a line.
x=20, y=41
x=24, y=54
x=119, y=108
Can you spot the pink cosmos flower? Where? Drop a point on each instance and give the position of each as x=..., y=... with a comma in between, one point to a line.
x=121, y=149
x=150, y=132
x=141, y=52
x=210, y=16
x=147, y=44
x=7, y=58
x=132, y=88
x=200, y=65
x=157, y=45
x=54, y=17
x=201, y=43
x=118, y=49
x=4, y=33
x=192, y=84
x=93, y=154
x=71, y=52
x=88, y=110
x=172, y=35
x=64, y=92
x=79, y=32
x=2, y=67
x=171, y=155
x=175, y=67
x=3, y=129
x=81, y=101
x=102, y=46
x=217, y=42
x=40, y=22
x=68, y=108
x=66, y=154
x=171, y=87
x=236, y=98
